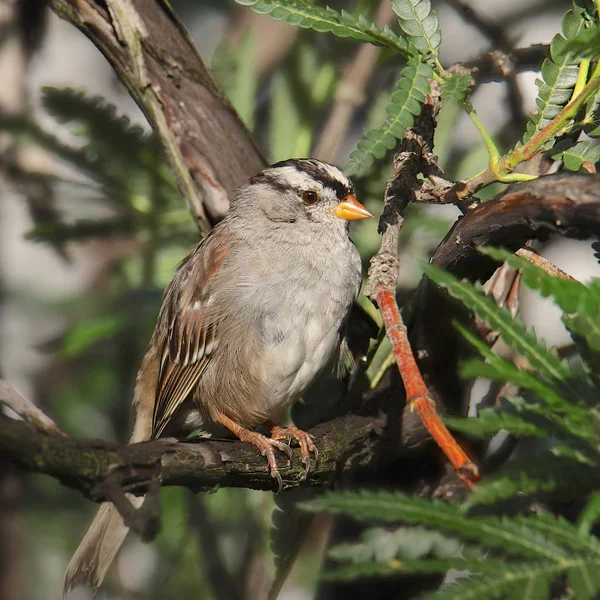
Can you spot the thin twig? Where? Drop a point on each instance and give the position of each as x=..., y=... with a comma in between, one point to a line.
x=143, y=519
x=414, y=153
x=26, y=409
x=539, y=261
x=504, y=287
x=350, y=93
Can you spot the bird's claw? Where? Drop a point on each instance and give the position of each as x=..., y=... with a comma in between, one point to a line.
x=304, y=439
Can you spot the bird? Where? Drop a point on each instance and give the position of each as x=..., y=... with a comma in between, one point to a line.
x=255, y=313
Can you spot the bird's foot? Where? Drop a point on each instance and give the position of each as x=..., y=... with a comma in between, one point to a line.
x=265, y=444
x=304, y=439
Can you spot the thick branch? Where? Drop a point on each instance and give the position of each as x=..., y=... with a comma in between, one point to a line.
x=208, y=147
x=566, y=204
x=86, y=465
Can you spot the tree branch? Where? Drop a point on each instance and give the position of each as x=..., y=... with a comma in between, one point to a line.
x=414, y=156
x=86, y=465
x=26, y=409
x=209, y=149
x=566, y=204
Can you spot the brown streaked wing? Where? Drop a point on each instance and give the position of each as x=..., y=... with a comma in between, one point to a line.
x=190, y=328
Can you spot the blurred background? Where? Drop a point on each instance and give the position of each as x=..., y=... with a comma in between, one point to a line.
x=92, y=226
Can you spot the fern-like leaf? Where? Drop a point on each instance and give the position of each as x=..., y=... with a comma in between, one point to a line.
x=512, y=331
x=544, y=474
x=396, y=567
x=577, y=155
x=559, y=75
x=504, y=534
x=456, y=88
x=585, y=44
x=491, y=420
x=530, y=581
x=99, y=117
x=381, y=545
x=323, y=18
x=499, y=369
x=580, y=303
x=420, y=23
x=407, y=101
x=560, y=530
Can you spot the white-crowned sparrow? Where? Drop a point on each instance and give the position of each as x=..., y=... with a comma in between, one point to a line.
x=254, y=314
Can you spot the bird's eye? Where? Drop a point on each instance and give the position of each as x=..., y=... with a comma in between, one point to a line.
x=310, y=197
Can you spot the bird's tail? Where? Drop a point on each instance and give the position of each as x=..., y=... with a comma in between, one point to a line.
x=98, y=548
x=106, y=534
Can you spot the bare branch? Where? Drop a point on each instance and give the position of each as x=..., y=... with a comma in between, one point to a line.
x=566, y=204
x=26, y=409
x=208, y=147
x=496, y=34
x=539, y=261
x=414, y=156
x=87, y=465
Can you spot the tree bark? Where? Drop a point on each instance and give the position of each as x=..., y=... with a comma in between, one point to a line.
x=86, y=465
x=208, y=147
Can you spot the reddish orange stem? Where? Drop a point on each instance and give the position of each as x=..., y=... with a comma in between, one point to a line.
x=417, y=394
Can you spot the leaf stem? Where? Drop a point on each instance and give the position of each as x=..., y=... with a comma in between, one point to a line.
x=502, y=170
x=584, y=69
x=495, y=163
x=555, y=126
x=388, y=361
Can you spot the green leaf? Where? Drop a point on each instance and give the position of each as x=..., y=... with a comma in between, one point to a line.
x=97, y=119
x=285, y=119
x=323, y=18
x=559, y=75
x=543, y=474
x=575, y=154
x=580, y=303
x=513, y=538
x=87, y=334
x=82, y=229
x=407, y=101
x=289, y=529
x=563, y=532
x=380, y=545
x=590, y=514
x=584, y=580
x=527, y=581
x=512, y=331
x=456, y=88
x=586, y=44
x=420, y=23
x=499, y=369
x=491, y=421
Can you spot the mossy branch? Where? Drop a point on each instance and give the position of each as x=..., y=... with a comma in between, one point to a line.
x=85, y=465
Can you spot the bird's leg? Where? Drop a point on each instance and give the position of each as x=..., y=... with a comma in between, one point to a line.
x=304, y=439
x=262, y=442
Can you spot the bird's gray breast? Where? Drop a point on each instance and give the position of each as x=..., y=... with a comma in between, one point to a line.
x=302, y=302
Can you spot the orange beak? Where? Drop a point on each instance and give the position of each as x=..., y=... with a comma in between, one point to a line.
x=351, y=209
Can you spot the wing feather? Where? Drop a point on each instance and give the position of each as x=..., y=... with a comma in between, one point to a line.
x=190, y=341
